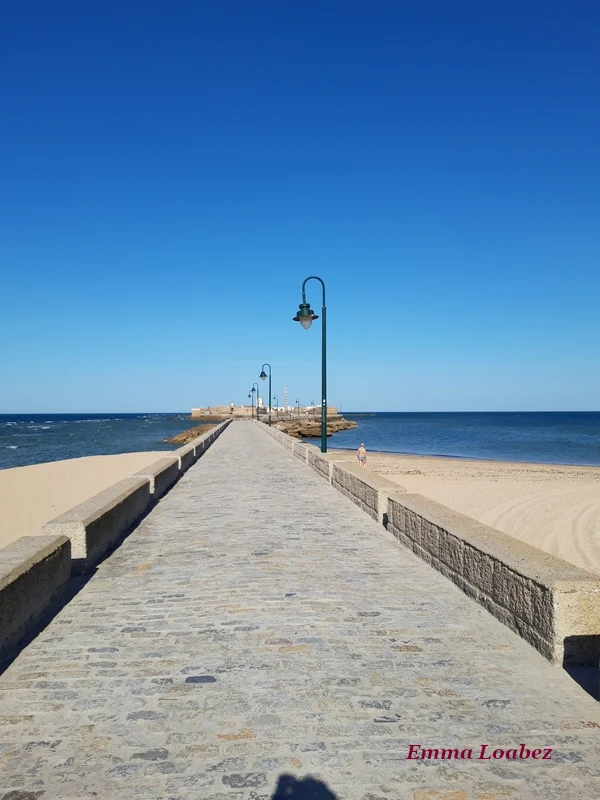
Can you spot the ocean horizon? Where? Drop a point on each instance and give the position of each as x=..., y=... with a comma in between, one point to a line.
x=544, y=437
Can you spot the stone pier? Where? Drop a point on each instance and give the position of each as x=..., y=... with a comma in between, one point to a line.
x=259, y=636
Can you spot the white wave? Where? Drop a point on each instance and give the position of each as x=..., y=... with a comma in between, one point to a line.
x=93, y=421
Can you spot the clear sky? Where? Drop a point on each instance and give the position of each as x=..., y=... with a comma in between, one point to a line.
x=171, y=171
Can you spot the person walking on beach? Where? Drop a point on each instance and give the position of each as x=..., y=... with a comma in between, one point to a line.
x=362, y=455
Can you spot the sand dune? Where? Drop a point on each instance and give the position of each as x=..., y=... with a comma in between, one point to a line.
x=554, y=508
x=31, y=496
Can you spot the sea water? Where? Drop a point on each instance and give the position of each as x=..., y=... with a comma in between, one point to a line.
x=33, y=438
x=545, y=437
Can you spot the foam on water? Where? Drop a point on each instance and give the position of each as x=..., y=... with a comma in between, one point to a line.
x=30, y=438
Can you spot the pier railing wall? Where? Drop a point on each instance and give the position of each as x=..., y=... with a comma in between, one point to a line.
x=553, y=605
x=36, y=571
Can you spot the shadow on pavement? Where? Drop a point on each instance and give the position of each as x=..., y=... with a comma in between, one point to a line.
x=587, y=677
x=290, y=788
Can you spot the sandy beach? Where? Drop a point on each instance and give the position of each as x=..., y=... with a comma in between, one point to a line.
x=555, y=508
x=31, y=496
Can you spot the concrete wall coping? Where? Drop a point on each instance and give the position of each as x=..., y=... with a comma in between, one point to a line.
x=186, y=448
x=522, y=558
x=95, y=525
x=20, y=556
x=378, y=482
x=156, y=466
x=102, y=502
x=208, y=434
x=162, y=474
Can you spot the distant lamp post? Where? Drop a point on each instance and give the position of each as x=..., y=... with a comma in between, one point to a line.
x=298, y=407
x=276, y=398
x=305, y=317
x=255, y=388
x=263, y=376
x=251, y=396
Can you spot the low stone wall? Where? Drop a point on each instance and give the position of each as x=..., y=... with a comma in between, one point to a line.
x=34, y=572
x=550, y=603
x=161, y=475
x=96, y=525
x=300, y=451
x=186, y=456
x=367, y=490
x=35, y=569
x=189, y=453
x=322, y=462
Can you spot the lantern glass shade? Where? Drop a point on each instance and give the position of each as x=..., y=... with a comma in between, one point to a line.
x=305, y=316
x=263, y=375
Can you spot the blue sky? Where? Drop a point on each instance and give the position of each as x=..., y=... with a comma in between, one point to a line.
x=172, y=171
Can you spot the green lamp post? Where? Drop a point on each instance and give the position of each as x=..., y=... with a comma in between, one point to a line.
x=255, y=388
x=263, y=376
x=276, y=398
x=305, y=317
x=251, y=396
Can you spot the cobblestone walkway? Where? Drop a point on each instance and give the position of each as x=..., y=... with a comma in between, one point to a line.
x=257, y=624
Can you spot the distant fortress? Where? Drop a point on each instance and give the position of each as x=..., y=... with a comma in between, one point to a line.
x=246, y=411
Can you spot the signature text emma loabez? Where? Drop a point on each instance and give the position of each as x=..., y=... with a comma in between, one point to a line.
x=482, y=752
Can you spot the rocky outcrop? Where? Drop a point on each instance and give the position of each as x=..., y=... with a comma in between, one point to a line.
x=191, y=433
x=311, y=428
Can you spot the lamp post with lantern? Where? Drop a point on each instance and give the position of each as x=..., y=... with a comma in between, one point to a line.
x=263, y=376
x=305, y=317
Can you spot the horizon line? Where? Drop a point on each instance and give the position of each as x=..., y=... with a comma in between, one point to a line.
x=358, y=411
